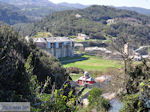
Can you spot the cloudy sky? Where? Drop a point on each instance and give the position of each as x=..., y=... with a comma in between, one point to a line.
x=131, y=3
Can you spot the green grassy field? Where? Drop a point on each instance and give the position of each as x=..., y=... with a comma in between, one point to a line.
x=90, y=40
x=94, y=63
x=43, y=34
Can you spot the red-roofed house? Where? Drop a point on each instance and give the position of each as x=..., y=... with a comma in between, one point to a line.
x=86, y=79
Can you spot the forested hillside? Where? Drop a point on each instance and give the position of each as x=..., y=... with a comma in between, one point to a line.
x=19, y=62
x=36, y=9
x=98, y=22
x=11, y=14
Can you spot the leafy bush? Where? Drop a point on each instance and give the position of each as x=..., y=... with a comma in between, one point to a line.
x=61, y=100
x=131, y=103
x=137, y=74
x=137, y=97
x=96, y=101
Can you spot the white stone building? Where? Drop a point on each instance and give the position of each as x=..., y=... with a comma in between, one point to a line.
x=78, y=16
x=58, y=46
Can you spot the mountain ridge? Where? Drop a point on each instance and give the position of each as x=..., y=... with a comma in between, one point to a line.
x=35, y=9
x=11, y=14
x=93, y=21
x=23, y=2
x=75, y=5
x=136, y=9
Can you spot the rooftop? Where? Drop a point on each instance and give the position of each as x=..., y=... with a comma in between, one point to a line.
x=52, y=39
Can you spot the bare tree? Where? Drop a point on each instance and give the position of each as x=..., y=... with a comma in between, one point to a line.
x=121, y=45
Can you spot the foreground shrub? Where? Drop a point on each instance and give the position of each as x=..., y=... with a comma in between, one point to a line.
x=137, y=86
x=61, y=100
x=131, y=103
x=14, y=80
x=96, y=101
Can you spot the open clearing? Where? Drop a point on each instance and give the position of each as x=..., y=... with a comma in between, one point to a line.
x=94, y=63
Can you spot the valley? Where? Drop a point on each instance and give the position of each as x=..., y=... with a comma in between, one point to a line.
x=69, y=57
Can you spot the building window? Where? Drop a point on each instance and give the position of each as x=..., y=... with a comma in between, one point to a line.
x=60, y=45
x=56, y=45
x=49, y=45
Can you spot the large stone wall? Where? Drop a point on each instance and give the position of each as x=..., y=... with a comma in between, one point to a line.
x=61, y=51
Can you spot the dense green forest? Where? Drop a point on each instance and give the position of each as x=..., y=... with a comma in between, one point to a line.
x=11, y=14
x=23, y=11
x=93, y=22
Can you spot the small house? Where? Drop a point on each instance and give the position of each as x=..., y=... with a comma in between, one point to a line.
x=78, y=16
x=86, y=79
x=82, y=36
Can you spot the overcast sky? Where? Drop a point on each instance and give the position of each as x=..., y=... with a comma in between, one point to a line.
x=131, y=3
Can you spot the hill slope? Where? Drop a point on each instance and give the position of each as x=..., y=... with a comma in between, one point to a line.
x=36, y=9
x=137, y=9
x=11, y=14
x=76, y=6
x=94, y=21
x=98, y=22
x=23, y=2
